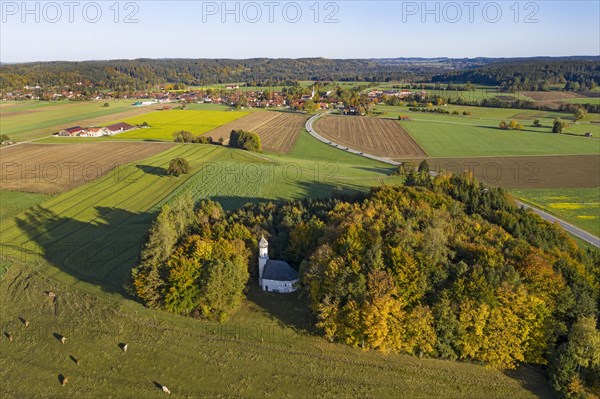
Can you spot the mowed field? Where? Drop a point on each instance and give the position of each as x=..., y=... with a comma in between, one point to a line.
x=381, y=137
x=164, y=123
x=561, y=171
x=29, y=120
x=55, y=168
x=278, y=131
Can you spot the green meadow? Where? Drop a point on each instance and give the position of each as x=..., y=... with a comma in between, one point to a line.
x=443, y=135
x=578, y=206
x=13, y=202
x=164, y=123
x=264, y=350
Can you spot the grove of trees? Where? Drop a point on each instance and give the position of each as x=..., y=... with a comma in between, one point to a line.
x=245, y=140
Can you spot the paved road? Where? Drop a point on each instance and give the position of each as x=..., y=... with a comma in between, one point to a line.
x=585, y=236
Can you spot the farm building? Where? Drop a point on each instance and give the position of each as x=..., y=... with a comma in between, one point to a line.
x=118, y=128
x=71, y=131
x=92, y=132
x=274, y=275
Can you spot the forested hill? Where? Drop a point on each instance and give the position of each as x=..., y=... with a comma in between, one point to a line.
x=141, y=73
x=578, y=73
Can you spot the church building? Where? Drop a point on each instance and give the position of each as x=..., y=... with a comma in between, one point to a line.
x=274, y=275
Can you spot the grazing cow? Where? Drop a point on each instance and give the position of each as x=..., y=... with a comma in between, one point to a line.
x=166, y=390
x=125, y=348
x=64, y=381
x=10, y=337
x=26, y=322
x=62, y=340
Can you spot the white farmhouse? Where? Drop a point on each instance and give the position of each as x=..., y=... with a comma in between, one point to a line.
x=274, y=275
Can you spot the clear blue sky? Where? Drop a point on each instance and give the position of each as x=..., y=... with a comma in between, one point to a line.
x=364, y=29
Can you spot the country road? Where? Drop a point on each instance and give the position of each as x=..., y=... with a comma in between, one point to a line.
x=577, y=232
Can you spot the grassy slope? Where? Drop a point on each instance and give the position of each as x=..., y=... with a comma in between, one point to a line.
x=12, y=203
x=252, y=355
x=579, y=206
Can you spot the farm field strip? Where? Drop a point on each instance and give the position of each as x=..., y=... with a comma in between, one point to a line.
x=105, y=214
x=461, y=140
x=280, y=133
x=164, y=123
x=54, y=168
x=118, y=195
x=526, y=172
x=249, y=122
x=381, y=137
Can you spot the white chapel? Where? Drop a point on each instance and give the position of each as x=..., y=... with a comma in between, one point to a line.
x=274, y=275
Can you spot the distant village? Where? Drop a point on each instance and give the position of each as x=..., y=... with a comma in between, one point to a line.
x=233, y=95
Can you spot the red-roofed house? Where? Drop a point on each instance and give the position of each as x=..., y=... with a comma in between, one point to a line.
x=118, y=128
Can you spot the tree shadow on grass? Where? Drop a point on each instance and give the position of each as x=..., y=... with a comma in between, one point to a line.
x=101, y=251
x=290, y=309
x=153, y=170
x=532, y=379
x=381, y=170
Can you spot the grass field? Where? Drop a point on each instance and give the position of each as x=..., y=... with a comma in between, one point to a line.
x=32, y=119
x=197, y=359
x=459, y=139
x=580, y=207
x=55, y=168
x=13, y=202
x=164, y=123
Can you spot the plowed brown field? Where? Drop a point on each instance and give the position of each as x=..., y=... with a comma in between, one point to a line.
x=278, y=131
x=55, y=168
x=381, y=137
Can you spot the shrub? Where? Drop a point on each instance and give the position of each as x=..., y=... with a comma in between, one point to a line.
x=203, y=140
x=245, y=140
x=183, y=136
x=178, y=166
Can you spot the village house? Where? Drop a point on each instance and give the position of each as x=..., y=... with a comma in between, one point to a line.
x=275, y=275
